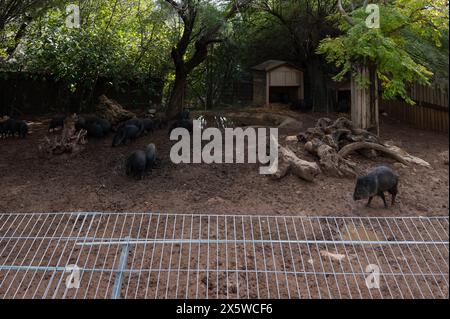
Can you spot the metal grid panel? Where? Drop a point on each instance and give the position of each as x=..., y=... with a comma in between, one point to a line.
x=221, y=256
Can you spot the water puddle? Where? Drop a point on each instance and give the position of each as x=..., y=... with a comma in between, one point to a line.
x=222, y=121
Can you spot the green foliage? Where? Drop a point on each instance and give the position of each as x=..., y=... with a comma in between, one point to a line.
x=116, y=40
x=133, y=40
x=406, y=27
x=15, y=15
x=208, y=81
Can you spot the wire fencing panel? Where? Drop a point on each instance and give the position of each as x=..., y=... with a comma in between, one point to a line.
x=101, y=255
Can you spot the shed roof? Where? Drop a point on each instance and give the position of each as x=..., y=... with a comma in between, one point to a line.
x=273, y=64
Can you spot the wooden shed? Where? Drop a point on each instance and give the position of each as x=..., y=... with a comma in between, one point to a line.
x=277, y=81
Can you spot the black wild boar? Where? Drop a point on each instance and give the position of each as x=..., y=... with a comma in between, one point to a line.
x=91, y=119
x=2, y=129
x=378, y=181
x=136, y=164
x=22, y=129
x=80, y=124
x=56, y=123
x=151, y=156
x=8, y=128
x=136, y=122
x=185, y=114
x=148, y=125
x=187, y=124
x=11, y=127
x=106, y=126
x=160, y=120
x=94, y=130
x=125, y=134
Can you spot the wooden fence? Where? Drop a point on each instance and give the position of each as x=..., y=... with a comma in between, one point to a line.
x=430, y=111
x=24, y=93
x=238, y=92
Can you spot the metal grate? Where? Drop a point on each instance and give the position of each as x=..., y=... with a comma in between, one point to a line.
x=222, y=256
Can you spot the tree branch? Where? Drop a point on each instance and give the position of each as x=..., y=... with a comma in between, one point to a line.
x=366, y=2
x=344, y=13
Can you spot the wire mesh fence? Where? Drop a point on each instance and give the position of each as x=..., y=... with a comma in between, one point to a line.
x=102, y=255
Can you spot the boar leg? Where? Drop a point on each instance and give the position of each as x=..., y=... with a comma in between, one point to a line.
x=370, y=200
x=381, y=194
x=393, y=192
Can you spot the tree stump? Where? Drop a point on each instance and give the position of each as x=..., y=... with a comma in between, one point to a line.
x=70, y=140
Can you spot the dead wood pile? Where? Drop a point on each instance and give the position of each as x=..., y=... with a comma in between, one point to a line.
x=112, y=111
x=332, y=142
x=70, y=141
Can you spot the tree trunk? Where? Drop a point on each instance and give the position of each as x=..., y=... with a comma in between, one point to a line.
x=365, y=99
x=317, y=90
x=210, y=80
x=187, y=11
x=177, y=95
x=18, y=37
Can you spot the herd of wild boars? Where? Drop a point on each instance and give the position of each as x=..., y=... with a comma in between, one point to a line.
x=140, y=162
x=11, y=127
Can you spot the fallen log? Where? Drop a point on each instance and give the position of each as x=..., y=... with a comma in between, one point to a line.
x=373, y=146
x=329, y=159
x=289, y=162
x=407, y=157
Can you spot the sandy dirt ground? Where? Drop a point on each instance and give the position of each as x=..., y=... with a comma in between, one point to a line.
x=94, y=180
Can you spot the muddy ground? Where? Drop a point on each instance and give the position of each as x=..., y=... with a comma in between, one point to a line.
x=94, y=180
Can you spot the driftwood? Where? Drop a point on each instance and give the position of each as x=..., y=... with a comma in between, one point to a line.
x=332, y=142
x=289, y=162
x=407, y=157
x=337, y=134
x=112, y=111
x=328, y=137
x=70, y=140
x=365, y=145
x=331, y=162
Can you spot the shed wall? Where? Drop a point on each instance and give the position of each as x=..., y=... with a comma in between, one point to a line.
x=284, y=80
x=285, y=76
